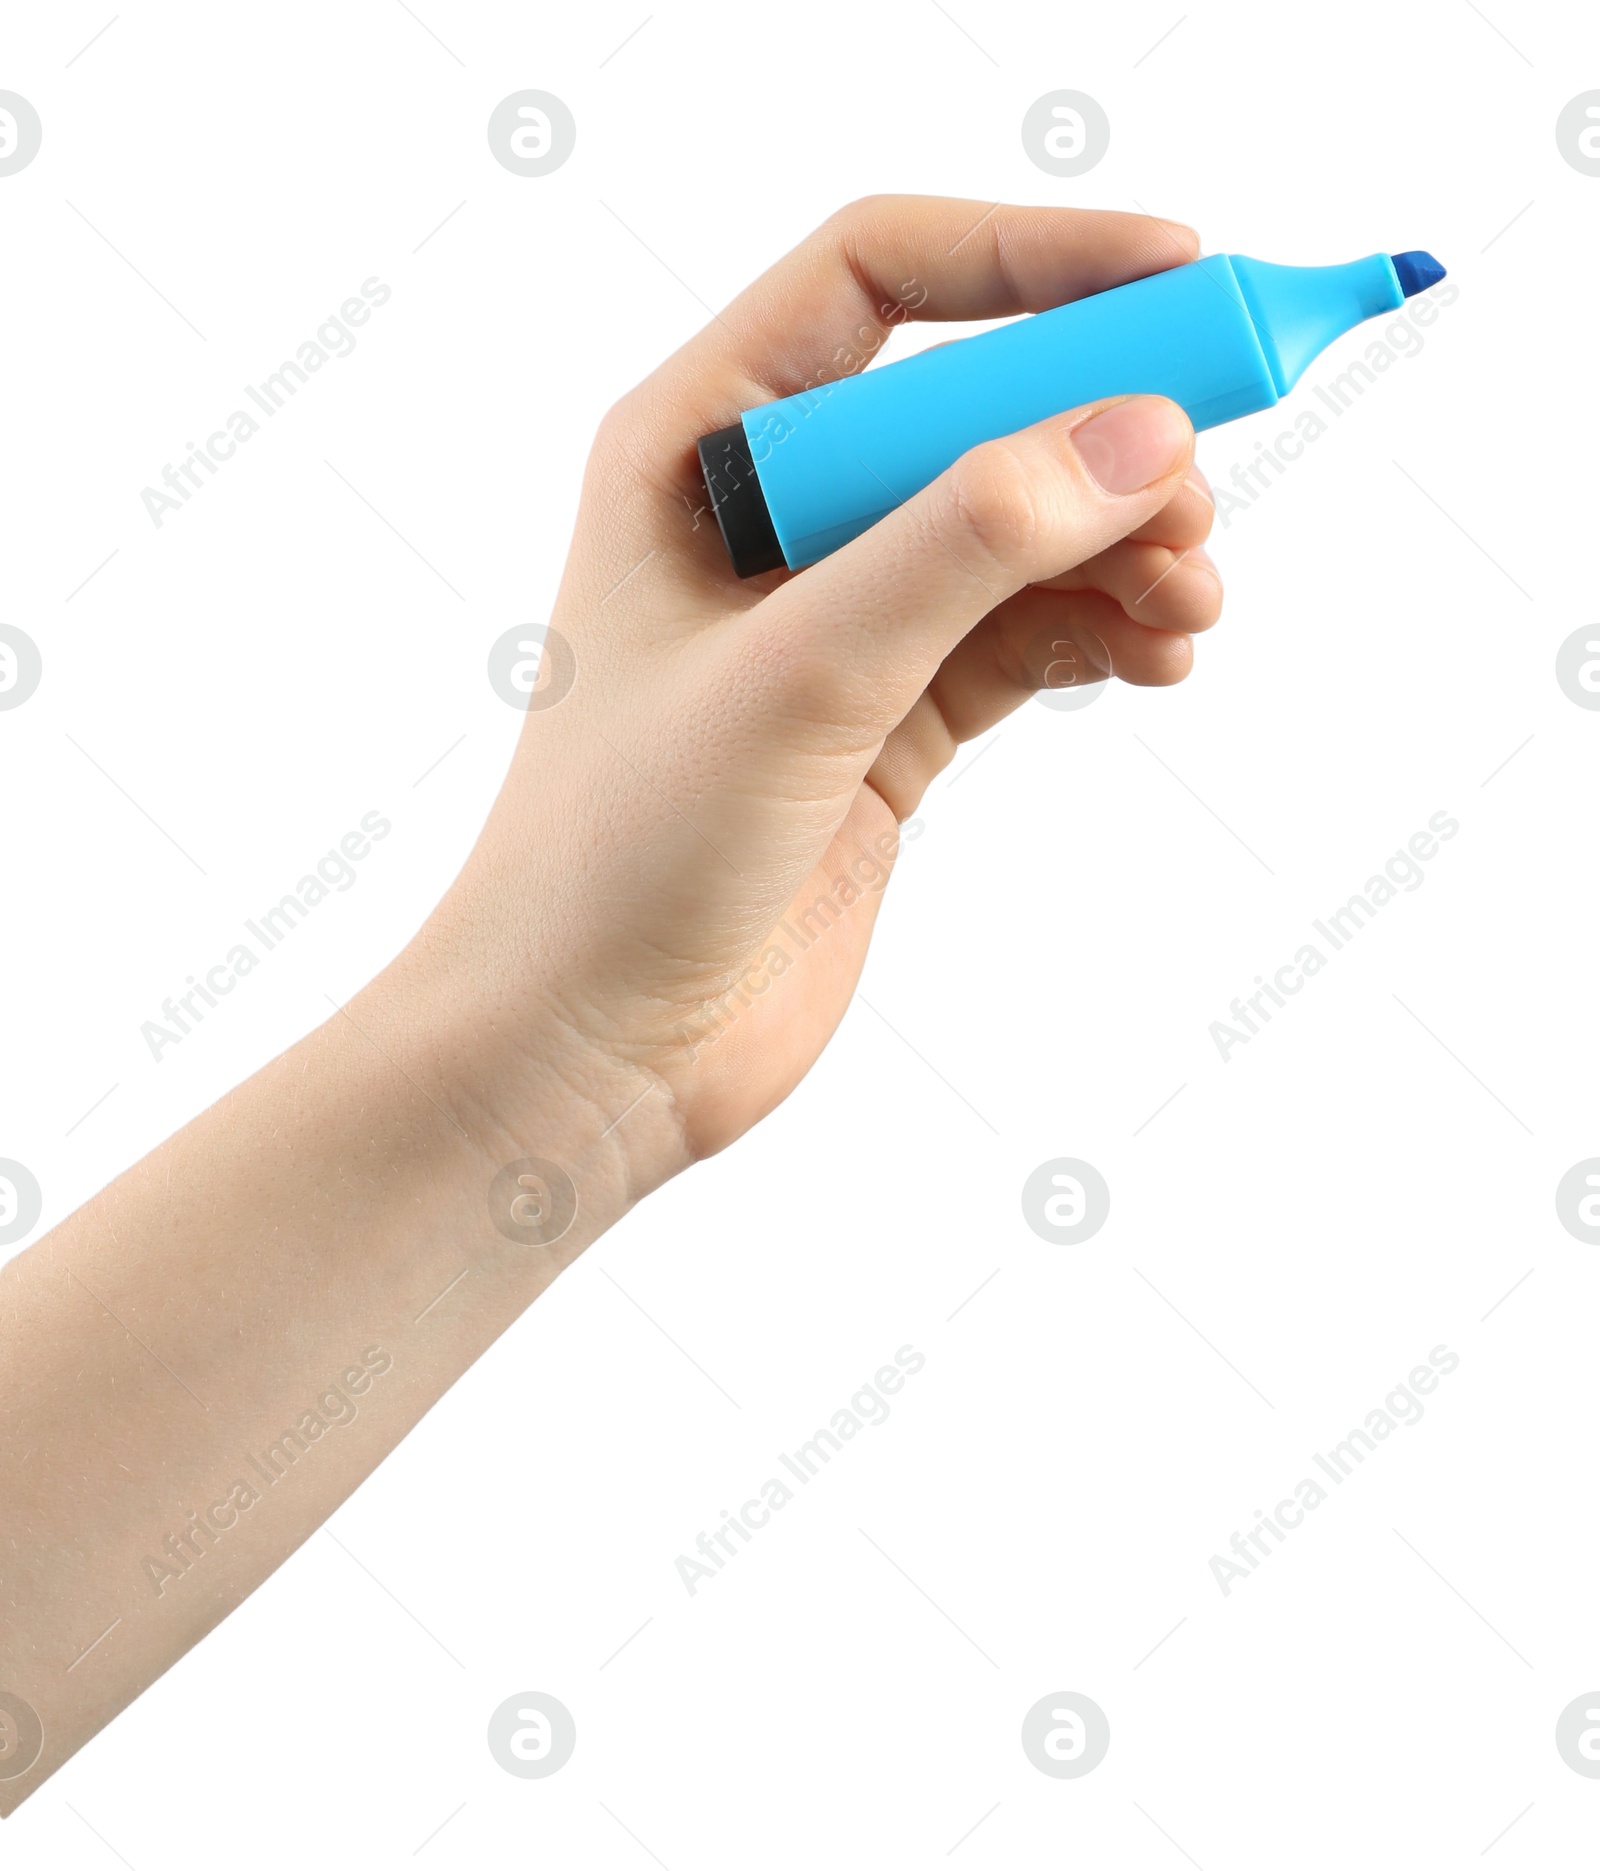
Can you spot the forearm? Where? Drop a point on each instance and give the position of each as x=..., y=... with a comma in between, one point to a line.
x=203, y=1362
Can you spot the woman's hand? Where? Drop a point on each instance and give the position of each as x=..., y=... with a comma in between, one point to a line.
x=653, y=939
x=675, y=891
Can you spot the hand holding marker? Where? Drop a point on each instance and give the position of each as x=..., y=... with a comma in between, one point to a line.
x=688, y=970
x=1222, y=337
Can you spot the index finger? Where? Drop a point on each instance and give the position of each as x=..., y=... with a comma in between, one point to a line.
x=827, y=307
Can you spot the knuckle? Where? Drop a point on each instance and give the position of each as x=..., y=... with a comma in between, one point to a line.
x=790, y=666
x=618, y=423
x=856, y=214
x=992, y=501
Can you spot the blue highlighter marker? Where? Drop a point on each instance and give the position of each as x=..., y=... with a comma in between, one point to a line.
x=1225, y=336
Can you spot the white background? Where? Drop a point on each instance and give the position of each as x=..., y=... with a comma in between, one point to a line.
x=1288, y=1237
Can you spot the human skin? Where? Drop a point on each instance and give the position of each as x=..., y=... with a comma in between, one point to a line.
x=616, y=984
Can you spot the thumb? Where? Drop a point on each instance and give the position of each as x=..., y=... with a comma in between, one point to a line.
x=867, y=628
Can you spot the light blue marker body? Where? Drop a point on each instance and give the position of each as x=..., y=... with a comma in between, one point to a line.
x=1223, y=336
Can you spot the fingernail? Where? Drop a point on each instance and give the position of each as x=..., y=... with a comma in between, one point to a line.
x=1131, y=444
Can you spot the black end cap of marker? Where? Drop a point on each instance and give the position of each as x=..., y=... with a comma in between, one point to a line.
x=738, y=502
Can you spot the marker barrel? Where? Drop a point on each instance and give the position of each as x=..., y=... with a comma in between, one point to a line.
x=1223, y=337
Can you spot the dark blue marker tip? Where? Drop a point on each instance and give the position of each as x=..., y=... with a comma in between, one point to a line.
x=1416, y=271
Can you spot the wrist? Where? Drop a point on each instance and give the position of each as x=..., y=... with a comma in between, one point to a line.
x=515, y=1080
